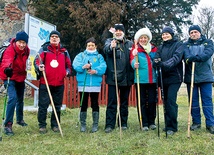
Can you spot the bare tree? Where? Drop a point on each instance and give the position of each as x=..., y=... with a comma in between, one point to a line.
x=206, y=21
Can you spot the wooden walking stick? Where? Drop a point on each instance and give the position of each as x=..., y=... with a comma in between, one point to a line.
x=51, y=99
x=138, y=90
x=190, y=99
x=118, y=103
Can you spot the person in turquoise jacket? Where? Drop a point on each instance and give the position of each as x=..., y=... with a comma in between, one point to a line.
x=90, y=67
x=145, y=51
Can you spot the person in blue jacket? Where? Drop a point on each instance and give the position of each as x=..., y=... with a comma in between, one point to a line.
x=198, y=49
x=90, y=67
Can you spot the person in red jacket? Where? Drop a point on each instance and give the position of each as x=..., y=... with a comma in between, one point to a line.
x=55, y=61
x=13, y=70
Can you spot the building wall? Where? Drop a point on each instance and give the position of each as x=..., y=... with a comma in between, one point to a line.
x=11, y=18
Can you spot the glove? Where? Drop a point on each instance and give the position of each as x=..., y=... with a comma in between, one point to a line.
x=9, y=72
x=157, y=63
x=193, y=59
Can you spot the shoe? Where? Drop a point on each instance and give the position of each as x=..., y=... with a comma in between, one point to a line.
x=170, y=132
x=210, y=129
x=124, y=128
x=152, y=127
x=194, y=127
x=55, y=129
x=145, y=128
x=108, y=130
x=22, y=123
x=8, y=129
x=42, y=130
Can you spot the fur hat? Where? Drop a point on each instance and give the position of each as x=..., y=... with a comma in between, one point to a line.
x=55, y=32
x=92, y=39
x=119, y=27
x=143, y=31
x=169, y=30
x=22, y=36
x=194, y=27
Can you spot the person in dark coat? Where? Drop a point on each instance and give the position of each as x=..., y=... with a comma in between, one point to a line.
x=55, y=61
x=169, y=59
x=125, y=77
x=13, y=66
x=198, y=49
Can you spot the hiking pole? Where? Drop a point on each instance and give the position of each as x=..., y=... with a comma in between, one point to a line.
x=157, y=91
x=51, y=99
x=162, y=97
x=138, y=90
x=4, y=108
x=190, y=99
x=118, y=103
x=82, y=96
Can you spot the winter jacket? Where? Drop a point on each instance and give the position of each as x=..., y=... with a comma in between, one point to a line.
x=97, y=63
x=145, y=71
x=58, y=56
x=125, y=73
x=171, y=55
x=203, y=48
x=16, y=59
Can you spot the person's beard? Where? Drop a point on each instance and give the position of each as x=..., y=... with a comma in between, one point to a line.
x=119, y=37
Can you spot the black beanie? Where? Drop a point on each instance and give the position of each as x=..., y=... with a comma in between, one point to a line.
x=22, y=36
x=119, y=27
x=195, y=27
x=168, y=29
x=55, y=32
x=92, y=39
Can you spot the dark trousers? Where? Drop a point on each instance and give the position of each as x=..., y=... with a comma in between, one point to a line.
x=148, y=100
x=15, y=92
x=44, y=101
x=111, y=111
x=94, y=101
x=170, y=105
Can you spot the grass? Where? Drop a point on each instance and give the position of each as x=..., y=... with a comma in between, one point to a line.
x=27, y=140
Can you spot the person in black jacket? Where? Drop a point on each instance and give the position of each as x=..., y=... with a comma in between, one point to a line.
x=169, y=59
x=125, y=77
x=198, y=49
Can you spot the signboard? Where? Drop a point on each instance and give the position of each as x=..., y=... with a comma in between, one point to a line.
x=38, y=31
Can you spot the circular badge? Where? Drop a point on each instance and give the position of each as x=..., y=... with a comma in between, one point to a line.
x=54, y=63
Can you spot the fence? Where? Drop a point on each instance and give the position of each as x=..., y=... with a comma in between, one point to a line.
x=72, y=99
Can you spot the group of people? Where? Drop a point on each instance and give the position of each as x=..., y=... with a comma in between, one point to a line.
x=126, y=63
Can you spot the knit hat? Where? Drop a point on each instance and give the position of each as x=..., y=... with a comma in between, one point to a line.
x=92, y=39
x=119, y=27
x=143, y=31
x=168, y=29
x=22, y=36
x=194, y=27
x=55, y=32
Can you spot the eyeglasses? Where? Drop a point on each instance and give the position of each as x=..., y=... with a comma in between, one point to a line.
x=54, y=36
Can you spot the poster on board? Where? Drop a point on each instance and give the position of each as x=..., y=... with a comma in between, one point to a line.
x=38, y=31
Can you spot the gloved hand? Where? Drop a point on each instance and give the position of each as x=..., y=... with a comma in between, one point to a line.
x=157, y=63
x=9, y=72
x=193, y=59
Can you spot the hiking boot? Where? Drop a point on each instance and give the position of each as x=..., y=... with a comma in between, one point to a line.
x=108, y=130
x=55, y=129
x=8, y=129
x=124, y=128
x=22, y=123
x=42, y=130
x=145, y=128
x=152, y=127
x=210, y=129
x=170, y=132
x=194, y=127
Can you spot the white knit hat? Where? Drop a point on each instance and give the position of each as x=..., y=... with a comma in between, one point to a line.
x=143, y=31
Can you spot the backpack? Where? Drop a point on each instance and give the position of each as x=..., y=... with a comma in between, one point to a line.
x=3, y=48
